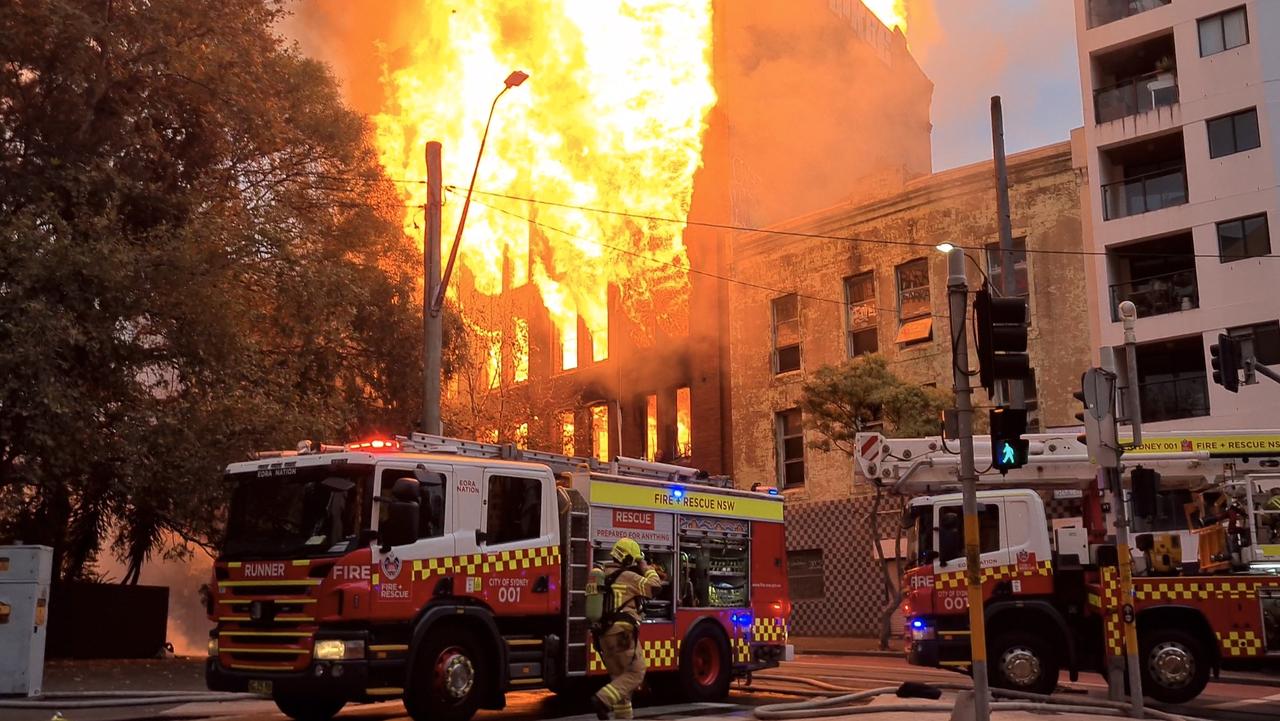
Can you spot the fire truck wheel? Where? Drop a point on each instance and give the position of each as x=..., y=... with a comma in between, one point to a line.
x=1175, y=666
x=1021, y=661
x=448, y=677
x=706, y=669
x=308, y=708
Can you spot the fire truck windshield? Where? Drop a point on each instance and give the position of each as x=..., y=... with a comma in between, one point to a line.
x=307, y=511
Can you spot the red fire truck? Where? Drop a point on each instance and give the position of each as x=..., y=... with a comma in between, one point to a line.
x=1206, y=549
x=449, y=572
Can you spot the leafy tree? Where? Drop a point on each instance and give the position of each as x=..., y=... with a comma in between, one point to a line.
x=199, y=256
x=864, y=394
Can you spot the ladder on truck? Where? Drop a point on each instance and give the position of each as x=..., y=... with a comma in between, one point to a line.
x=932, y=463
x=561, y=463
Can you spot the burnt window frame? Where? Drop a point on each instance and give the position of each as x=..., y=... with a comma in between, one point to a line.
x=796, y=347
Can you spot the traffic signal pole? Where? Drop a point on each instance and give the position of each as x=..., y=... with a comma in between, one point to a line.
x=1017, y=391
x=958, y=297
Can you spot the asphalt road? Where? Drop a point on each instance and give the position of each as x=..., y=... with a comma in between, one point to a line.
x=1241, y=698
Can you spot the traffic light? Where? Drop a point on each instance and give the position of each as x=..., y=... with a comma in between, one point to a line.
x=1002, y=338
x=1226, y=362
x=1008, y=448
x=1098, y=396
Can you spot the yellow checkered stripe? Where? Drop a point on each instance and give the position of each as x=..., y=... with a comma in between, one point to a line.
x=1192, y=591
x=741, y=651
x=769, y=630
x=1112, y=624
x=657, y=655
x=955, y=579
x=471, y=564
x=1240, y=643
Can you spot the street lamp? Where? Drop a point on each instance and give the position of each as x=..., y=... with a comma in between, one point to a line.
x=514, y=79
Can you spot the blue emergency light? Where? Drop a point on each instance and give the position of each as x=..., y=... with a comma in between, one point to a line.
x=677, y=493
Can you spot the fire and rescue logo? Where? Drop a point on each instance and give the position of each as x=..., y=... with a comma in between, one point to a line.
x=391, y=565
x=1026, y=561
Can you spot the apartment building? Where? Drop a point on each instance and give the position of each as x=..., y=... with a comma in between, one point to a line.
x=1179, y=149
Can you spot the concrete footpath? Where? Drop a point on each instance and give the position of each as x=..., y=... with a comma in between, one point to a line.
x=845, y=646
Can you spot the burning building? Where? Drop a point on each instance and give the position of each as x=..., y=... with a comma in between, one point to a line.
x=596, y=315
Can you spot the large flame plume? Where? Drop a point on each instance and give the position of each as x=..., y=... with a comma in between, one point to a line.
x=612, y=117
x=893, y=13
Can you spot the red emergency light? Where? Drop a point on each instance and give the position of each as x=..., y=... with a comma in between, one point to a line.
x=376, y=444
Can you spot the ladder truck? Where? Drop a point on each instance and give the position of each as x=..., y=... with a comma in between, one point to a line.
x=1206, y=594
x=448, y=572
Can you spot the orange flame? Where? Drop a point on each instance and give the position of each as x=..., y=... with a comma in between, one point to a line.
x=893, y=13
x=611, y=117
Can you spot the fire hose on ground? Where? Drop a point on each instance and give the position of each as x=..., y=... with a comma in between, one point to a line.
x=103, y=699
x=852, y=701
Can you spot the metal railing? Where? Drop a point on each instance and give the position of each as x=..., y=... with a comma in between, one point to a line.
x=1171, y=399
x=1158, y=294
x=1135, y=95
x=1102, y=12
x=1144, y=193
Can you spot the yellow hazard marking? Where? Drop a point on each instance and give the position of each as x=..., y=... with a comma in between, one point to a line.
x=389, y=647
x=265, y=633
x=281, y=582
x=483, y=563
x=293, y=651
x=1240, y=643
x=386, y=691
x=1242, y=444
x=608, y=493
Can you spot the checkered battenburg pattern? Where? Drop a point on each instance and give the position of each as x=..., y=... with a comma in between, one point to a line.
x=853, y=587
x=658, y=655
x=769, y=630
x=1188, y=591
x=1240, y=643
x=955, y=579
x=471, y=564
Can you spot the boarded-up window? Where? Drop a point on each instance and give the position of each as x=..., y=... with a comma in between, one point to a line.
x=913, y=290
x=862, y=319
x=804, y=574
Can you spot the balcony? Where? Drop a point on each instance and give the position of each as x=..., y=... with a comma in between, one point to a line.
x=1157, y=295
x=1135, y=96
x=1173, y=398
x=1158, y=275
x=1102, y=12
x=1135, y=79
x=1144, y=193
x=1171, y=380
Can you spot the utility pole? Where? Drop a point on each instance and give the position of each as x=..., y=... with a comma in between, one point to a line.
x=432, y=323
x=1017, y=395
x=958, y=297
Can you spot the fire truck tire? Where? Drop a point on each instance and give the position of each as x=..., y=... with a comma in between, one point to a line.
x=307, y=707
x=706, y=668
x=449, y=677
x=1175, y=665
x=1021, y=661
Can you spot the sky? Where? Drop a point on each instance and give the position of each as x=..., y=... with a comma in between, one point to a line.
x=1022, y=50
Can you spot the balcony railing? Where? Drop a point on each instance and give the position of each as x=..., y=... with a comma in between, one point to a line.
x=1144, y=193
x=1158, y=294
x=1102, y=12
x=1169, y=400
x=1135, y=95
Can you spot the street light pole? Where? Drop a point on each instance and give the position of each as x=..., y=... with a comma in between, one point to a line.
x=514, y=79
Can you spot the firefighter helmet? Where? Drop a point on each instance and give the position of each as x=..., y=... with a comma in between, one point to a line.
x=626, y=551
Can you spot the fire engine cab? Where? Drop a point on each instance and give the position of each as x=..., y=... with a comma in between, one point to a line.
x=1206, y=549
x=448, y=572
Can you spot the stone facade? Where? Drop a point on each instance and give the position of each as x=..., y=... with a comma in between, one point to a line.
x=956, y=206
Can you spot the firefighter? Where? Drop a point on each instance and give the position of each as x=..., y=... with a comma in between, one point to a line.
x=632, y=581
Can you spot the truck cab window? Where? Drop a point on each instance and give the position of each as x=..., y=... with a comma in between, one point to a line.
x=430, y=501
x=951, y=531
x=514, y=509
x=919, y=527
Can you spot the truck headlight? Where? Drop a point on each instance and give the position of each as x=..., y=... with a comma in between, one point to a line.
x=213, y=646
x=334, y=649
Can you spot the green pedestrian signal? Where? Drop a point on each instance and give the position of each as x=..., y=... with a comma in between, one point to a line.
x=1008, y=448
